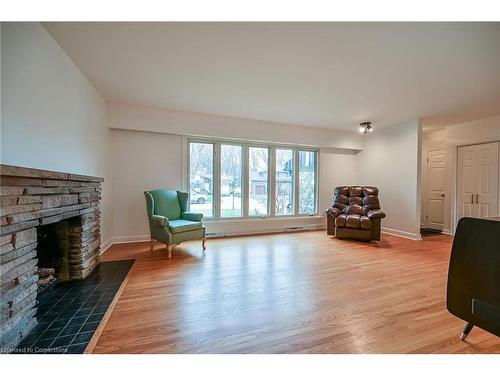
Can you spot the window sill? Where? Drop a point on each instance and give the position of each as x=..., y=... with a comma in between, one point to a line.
x=258, y=218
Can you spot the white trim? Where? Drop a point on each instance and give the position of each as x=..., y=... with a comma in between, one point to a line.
x=124, y=239
x=296, y=187
x=302, y=228
x=400, y=233
x=130, y=239
x=447, y=232
x=245, y=182
x=267, y=218
x=271, y=192
x=419, y=181
x=106, y=245
x=184, y=163
x=147, y=238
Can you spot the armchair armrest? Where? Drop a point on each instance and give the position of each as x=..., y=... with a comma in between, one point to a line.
x=376, y=214
x=159, y=220
x=192, y=216
x=333, y=211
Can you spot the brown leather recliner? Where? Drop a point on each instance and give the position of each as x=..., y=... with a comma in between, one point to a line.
x=355, y=213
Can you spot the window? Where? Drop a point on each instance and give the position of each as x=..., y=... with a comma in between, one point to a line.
x=307, y=182
x=284, y=182
x=201, y=175
x=258, y=174
x=230, y=180
x=238, y=180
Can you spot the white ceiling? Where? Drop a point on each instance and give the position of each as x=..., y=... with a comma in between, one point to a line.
x=331, y=75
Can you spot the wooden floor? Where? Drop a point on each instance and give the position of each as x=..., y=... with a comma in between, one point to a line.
x=288, y=293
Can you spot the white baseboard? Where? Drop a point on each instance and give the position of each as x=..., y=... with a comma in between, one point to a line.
x=304, y=228
x=145, y=237
x=106, y=245
x=123, y=239
x=131, y=239
x=447, y=232
x=400, y=233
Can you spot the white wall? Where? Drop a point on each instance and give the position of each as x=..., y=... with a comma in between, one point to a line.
x=484, y=130
x=336, y=168
x=52, y=117
x=141, y=161
x=144, y=161
x=390, y=160
x=159, y=120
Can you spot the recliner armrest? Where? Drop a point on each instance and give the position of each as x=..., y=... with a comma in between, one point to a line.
x=159, y=220
x=333, y=211
x=192, y=216
x=376, y=214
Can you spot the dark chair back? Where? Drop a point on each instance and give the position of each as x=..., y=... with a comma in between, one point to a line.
x=474, y=274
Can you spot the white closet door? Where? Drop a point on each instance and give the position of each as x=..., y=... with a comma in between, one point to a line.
x=478, y=180
x=436, y=175
x=487, y=180
x=466, y=182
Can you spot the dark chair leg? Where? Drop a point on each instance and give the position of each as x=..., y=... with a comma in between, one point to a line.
x=468, y=327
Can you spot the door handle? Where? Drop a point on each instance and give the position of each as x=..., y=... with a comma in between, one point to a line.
x=472, y=199
x=477, y=198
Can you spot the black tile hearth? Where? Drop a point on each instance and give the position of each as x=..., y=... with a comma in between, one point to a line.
x=69, y=317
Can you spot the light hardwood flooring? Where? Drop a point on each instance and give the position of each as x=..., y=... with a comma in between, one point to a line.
x=288, y=293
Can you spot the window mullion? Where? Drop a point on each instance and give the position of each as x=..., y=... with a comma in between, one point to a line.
x=296, y=181
x=245, y=194
x=272, y=181
x=316, y=184
x=217, y=177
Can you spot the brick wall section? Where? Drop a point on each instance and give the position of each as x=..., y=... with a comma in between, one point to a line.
x=29, y=198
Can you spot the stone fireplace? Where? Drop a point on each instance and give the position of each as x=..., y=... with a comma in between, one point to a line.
x=47, y=219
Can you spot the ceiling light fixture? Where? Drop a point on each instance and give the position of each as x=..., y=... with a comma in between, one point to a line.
x=365, y=127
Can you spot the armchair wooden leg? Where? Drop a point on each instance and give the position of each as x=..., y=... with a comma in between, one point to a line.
x=204, y=243
x=169, y=249
x=151, y=245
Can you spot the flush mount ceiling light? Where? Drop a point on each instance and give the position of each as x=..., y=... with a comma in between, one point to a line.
x=365, y=127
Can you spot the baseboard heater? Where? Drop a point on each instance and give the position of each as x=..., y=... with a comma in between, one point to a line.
x=301, y=228
x=294, y=229
x=215, y=235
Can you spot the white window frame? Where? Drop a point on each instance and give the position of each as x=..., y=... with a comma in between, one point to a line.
x=246, y=182
x=271, y=180
x=243, y=179
x=294, y=180
x=316, y=181
x=214, y=175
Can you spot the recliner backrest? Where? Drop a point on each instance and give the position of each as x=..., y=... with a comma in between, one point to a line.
x=356, y=199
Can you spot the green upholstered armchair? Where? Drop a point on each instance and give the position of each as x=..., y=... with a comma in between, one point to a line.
x=168, y=220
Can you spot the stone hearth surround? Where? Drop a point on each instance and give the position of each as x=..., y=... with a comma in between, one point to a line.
x=29, y=198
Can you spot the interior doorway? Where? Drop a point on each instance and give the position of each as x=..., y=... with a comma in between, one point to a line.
x=435, y=190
